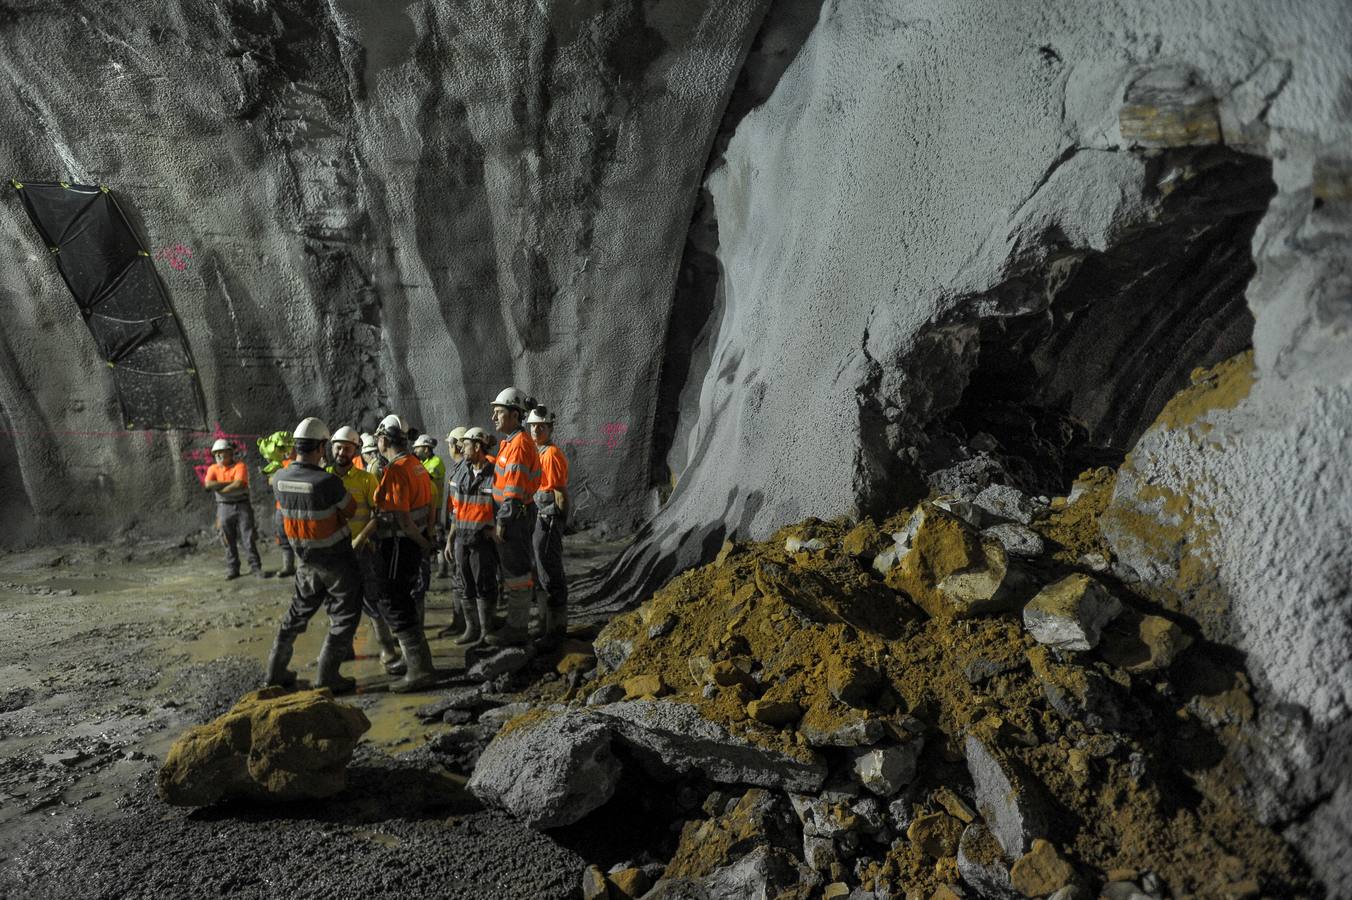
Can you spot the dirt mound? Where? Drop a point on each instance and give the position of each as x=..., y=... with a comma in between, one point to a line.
x=803, y=643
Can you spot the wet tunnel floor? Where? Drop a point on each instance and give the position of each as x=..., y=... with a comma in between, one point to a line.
x=107, y=654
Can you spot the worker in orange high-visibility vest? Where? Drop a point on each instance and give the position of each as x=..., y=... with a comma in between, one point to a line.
x=404, y=510
x=476, y=553
x=551, y=507
x=229, y=481
x=516, y=478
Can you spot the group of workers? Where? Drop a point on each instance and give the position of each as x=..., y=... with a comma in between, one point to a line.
x=361, y=518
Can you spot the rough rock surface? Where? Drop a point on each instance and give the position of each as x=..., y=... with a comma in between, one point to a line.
x=674, y=737
x=1070, y=614
x=983, y=865
x=373, y=208
x=549, y=770
x=1008, y=797
x=272, y=745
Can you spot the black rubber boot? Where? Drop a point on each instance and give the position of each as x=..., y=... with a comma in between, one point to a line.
x=390, y=657
x=288, y=563
x=331, y=656
x=277, y=673
x=472, y=633
x=418, y=658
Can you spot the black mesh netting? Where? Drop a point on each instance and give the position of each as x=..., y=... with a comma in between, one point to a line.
x=122, y=300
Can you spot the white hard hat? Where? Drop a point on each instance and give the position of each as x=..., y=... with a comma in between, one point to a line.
x=425, y=440
x=456, y=433
x=221, y=444
x=540, y=416
x=512, y=398
x=476, y=434
x=347, y=433
x=311, y=429
x=391, y=423
x=368, y=444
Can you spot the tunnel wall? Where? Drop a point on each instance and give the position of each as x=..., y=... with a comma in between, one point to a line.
x=357, y=207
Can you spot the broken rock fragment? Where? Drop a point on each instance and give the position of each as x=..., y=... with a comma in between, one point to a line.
x=549, y=770
x=674, y=737
x=1008, y=796
x=1139, y=643
x=272, y=745
x=936, y=834
x=1002, y=503
x=1071, y=613
x=1040, y=871
x=951, y=572
x=886, y=770
x=1018, y=540
x=983, y=865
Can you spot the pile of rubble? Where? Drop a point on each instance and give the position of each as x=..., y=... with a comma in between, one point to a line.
x=959, y=701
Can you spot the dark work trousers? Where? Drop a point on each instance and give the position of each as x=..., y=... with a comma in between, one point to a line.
x=476, y=557
x=236, y=521
x=515, y=550
x=398, y=567
x=368, y=560
x=547, y=542
x=334, y=582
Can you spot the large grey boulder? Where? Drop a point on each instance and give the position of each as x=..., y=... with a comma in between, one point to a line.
x=1008, y=796
x=670, y=737
x=549, y=771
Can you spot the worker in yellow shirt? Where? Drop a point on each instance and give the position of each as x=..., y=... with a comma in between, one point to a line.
x=361, y=485
x=551, y=508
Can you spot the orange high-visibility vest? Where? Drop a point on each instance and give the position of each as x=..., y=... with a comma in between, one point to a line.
x=516, y=473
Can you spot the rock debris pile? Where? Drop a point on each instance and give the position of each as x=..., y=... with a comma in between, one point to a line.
x=957, y=701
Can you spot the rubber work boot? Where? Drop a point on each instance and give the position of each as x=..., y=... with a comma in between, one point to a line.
x=516, y=632
x=390, y=657
x=553, y=626
x=473, y=633
x=331, y=657
x=277, y=672
x=288, y=563
x=443, y=570
x=418, y=657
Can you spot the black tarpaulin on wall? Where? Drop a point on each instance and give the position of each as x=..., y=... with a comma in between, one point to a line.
x=122, y=300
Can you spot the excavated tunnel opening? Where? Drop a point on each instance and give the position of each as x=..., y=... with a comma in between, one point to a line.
x=1073, y=384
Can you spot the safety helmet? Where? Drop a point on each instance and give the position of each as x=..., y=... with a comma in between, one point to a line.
x=391, y=424
x=425, y=440
x=347, y=433
x=476, y=434
x=512, y=399
x=540, y=416
x=311, y=429
x=368, y=444
x=221, y=444
x=455, y=434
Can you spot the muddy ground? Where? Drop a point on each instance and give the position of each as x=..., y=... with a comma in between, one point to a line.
x=108, y=653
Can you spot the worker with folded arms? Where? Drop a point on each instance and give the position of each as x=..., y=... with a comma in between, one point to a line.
x=315, y=509
x=229, y=481
x=404, y=507
x=551, y=507
x=361, y=485
x=516, y=477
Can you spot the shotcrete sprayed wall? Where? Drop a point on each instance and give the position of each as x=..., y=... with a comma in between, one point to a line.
x=367, y=207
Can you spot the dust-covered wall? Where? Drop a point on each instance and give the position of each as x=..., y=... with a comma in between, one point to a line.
x=357, y=207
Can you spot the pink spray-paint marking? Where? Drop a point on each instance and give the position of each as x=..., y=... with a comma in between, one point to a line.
x=614, y=432
x=202, y=457
x=177, y=256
